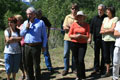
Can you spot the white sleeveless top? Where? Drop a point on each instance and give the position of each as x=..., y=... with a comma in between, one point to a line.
x=12, y=48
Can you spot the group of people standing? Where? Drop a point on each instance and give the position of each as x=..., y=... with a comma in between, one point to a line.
x=76, y=35
x=104, y=30
x=25, y=41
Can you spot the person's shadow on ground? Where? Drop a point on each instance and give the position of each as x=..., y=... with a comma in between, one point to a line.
x=66, y=78
x=50, y=75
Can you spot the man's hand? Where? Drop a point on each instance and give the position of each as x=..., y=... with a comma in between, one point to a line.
x=28, y=26
x=43, y=49
x=66, y=28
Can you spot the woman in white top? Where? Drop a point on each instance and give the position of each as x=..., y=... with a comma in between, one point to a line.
x=108, y=38
x=12, y=48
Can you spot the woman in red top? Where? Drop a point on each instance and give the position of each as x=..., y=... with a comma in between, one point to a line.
x=79, y=33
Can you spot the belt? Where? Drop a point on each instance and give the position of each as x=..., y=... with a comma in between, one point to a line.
x=34, y=44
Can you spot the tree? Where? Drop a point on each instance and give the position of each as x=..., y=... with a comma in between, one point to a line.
x=9, y=6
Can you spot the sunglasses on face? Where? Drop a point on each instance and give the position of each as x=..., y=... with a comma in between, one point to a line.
x=73, y=8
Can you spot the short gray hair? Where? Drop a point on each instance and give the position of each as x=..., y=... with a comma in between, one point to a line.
x=103, y=6
x=31, y=9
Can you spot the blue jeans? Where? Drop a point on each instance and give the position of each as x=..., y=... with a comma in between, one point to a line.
x=47, y=58
x=12, y=62
x=67, y=55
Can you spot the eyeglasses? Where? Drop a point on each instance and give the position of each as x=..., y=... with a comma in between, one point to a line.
x=100, y=10
x=73, y=8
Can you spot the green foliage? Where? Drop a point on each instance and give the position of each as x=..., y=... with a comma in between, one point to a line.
x=1, y=42
x=8, y=7
x=114, y=3
x=6, y=16
x=54, y=10
x=55, y=39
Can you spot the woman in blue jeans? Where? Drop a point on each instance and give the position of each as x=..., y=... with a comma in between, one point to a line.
x=12, y=50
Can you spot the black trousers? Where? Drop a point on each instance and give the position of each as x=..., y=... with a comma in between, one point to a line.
x=98, y=48
x=32, y=60
x=108, y=47
x=22, y=63
x=79, y=51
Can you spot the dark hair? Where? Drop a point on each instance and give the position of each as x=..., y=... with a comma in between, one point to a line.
x=75, y=5
x=12, y=19
x=112, y=10
x=39, y=12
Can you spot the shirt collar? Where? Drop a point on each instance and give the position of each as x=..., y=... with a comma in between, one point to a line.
x=104, y=15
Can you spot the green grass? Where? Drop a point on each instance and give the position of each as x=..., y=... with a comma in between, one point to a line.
x=57, y=63
x=56, y=55
x=1, y=43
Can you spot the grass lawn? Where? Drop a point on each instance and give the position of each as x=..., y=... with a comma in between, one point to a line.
x=57, y=62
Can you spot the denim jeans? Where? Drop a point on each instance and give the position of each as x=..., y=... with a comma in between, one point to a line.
x=12, y=62
x=47, y=58
x=67, y=55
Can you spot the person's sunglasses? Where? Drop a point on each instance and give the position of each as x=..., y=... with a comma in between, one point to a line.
x=73, y=8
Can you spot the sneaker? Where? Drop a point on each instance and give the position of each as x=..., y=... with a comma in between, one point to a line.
x=74, y=71
x=102, y=72
x=79, y=79
x=95, y=72
x=76, y=79
x=52, y=71
x=6, y=79
x=64, y=72
x=114, y=79
x=22, y=77
x=107, y=74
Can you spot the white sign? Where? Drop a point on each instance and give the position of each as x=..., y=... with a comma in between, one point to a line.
x=25, y=0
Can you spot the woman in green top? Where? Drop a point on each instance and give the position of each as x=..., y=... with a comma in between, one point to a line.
x=108, y=38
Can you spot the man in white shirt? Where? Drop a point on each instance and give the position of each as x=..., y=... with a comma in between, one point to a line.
x=116, y=57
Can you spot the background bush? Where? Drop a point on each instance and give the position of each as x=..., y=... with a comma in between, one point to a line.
x=8, y=8
x=55, y=11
